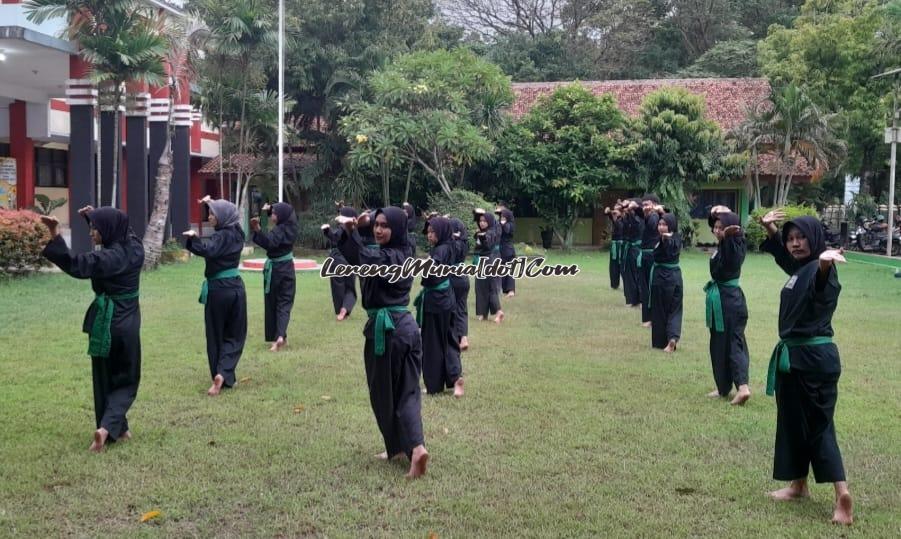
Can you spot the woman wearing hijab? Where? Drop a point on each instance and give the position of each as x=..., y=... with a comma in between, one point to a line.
x=650, y=208
x=616, y=242
x=435, y=305
x=666, y=286
x=488, y=247
x=279, y=281
x=805, y=367
x=460, y=284
x=411, y=227
x=393, y=349
x=113, y=321
x=727, y=311
x=344, y=289
x=508, y=251
x=633, y=228
x=222, y=293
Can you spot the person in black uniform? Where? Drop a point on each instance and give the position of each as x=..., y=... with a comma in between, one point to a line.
x=487, y=245
x=461, y=284
x=633, y=228
x=113, y=321
x=666, y=285
x=616, y=242
x=222, y=293
x=435, y=306
x=650, y=237
x=507, y=223
x=279, y=281
x=393, y=349
x=726, y=308
x=805, y=368
x=344, y=289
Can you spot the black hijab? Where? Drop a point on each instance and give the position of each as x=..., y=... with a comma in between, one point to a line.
x=489, y=218
x=397, y=222
x=286, y=216
x=726, y=219
x=347, y=211
x=812, y=229
x=442, y=228
x=650, y=197
x=508, y=215
x=111, y=223
x=671, y=223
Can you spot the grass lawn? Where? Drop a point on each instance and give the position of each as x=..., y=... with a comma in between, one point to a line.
x=571, y=425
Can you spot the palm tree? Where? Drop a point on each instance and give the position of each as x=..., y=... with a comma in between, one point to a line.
x=791, y=125
x=747, y=139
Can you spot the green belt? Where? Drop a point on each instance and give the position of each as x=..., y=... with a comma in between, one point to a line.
x=782, y=361
x=616, y=247
x=224, y=274
x=643, y=251
x=267, y=269
x=383, y=323
x=496, y=249
x=637, y=245
x=420, y=298
x=373, y=246
x=651, y=278
x=99, y=339
x=714, y=303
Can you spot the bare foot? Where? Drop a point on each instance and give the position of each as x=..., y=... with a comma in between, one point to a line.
x=464, y=343
x=418, y=463
x=100, y=436
x=126, y=436
x=843, y=513
x=384, y=456
x=480, y=318
x=645, y=324
x=342, y=314
x=458, y=388
x=499, y=318
x=744, y=393
x=671, y=347
x=278, y=344
x=715, y=394
x=216, y=388
x=510, y=294
x=794, y=491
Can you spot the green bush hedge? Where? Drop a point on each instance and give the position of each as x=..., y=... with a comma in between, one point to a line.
x=22, y=238
x=755, y=233
x=459, y=204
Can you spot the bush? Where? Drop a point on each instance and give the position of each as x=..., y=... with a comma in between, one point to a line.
x=755, y=233
x=173, y=252
x=22, y=238
x=459, y=204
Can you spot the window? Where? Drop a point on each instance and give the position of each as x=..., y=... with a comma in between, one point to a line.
x=4, y=149
x=710, y=198
x=50, y=167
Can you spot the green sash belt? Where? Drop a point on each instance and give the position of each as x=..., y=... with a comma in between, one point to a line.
x=267, y=269
x=642, y=253
x=373, y=246
x=616, y=247
x=715, y=303
x=637, y=245
x=383, y=324
x=781, y=359
x=99, y=339
x=496, y=249
x=654, y=266
x=420, y=298
x=224, y=274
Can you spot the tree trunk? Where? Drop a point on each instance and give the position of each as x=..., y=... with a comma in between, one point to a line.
x=386, y=183
x=156, y=227
x=407, y=188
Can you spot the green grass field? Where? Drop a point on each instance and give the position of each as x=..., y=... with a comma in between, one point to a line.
x=572, y=425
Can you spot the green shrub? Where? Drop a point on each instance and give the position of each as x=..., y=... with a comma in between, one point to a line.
x=459, y=204
x=755, y=233
x=22, y=238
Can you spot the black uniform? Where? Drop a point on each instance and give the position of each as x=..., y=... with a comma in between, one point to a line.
x=666, y=288
x=487, y=246
x=441, y=365
x=728, y=347
x=392, y=375
x=616, y=250
x=806, y=395
x=508, y=250
x=411, y=227
x=633, y=227
x=225, y=312
x=344, y=289
x=650, y=237
x=461, y=283
x=279, y=242
x=114, y=271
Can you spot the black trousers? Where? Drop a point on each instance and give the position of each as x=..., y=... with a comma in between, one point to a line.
x=225, y=317
x=344, y=293
x=393, y=381
x=441, y=366
x=630, y=276
x=461, y=313
x=487, y=300
x=805, y=431
x=666, y=307
x=615, y=268
x=729, y=349
x=279, y=301
x=508, y=283
x=644, y=285
x=116, y=379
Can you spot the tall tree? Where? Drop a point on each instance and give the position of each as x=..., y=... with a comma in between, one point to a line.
x=505, y=17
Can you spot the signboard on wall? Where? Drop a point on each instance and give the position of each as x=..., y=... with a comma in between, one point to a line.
x=7, y=183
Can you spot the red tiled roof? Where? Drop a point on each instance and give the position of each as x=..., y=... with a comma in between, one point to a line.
x=727, y=99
